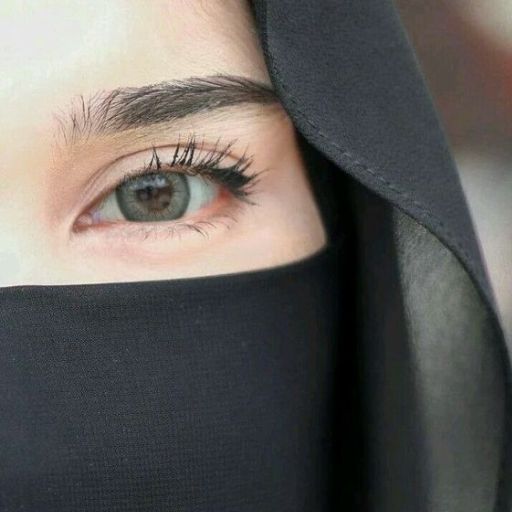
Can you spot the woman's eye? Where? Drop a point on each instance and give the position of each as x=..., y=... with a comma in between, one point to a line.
x=170, y=184
x=157, y=197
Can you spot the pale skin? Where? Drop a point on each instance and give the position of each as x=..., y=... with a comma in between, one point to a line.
x=57, y=52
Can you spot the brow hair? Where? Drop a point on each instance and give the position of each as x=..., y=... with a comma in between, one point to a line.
x=135, y=107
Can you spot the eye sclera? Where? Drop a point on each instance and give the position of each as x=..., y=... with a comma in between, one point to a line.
x=218, y=166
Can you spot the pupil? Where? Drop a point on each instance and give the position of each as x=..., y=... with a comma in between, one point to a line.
x=155, y=199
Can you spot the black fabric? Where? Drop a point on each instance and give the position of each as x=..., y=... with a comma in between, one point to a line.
x=208, y=394
x=432, y=380
x=348, y=78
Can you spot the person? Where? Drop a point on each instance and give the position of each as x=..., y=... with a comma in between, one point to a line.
x=238, y=272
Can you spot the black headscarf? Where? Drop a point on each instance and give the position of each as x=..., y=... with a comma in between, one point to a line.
x=371, y=376
x=435, y=365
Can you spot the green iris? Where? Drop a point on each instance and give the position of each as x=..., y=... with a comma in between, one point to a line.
x=154, y=197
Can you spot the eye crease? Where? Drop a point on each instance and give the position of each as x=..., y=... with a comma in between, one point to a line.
x=176, y=184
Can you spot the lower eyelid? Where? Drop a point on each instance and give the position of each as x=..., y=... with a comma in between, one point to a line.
x=158, y=232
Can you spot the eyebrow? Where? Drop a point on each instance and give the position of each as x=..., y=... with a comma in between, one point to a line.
x=127, y=108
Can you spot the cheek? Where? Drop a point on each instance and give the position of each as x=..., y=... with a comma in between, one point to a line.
x=297, y=229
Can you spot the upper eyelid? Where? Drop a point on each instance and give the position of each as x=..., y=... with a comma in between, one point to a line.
x=210, y=164
x=190, y=153
x=108, y=169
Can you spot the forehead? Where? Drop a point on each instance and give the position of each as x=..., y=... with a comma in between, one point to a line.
x=53, y=50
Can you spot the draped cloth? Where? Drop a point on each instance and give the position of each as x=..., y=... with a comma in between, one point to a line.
x=434, y=380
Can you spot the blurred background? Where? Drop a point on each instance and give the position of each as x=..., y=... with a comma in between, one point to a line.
x=465, y=50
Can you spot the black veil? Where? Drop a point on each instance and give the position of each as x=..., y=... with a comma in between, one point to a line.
x=433, y=366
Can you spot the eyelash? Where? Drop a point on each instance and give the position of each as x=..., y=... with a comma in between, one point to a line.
x=191, y=159
x=186, y=159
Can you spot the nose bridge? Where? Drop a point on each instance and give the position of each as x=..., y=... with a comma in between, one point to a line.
x=30, y=253
x=10, y=266
x=25, y=240
x=20, y=254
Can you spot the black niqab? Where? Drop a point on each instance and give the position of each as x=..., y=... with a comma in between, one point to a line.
x=184, y=395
